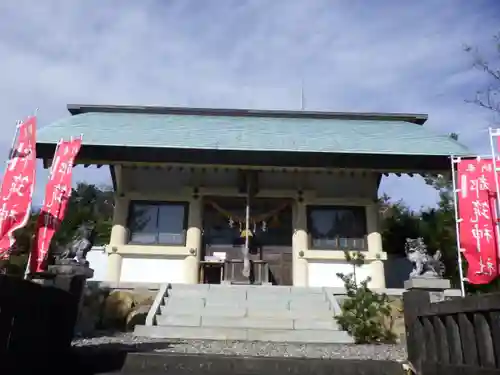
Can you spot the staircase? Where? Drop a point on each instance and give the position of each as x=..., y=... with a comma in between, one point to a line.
x=244, y=312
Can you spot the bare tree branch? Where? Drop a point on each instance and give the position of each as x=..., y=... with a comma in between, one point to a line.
x=488, y=98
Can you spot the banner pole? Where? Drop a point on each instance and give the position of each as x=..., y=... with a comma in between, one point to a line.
x=27, y=271
x=457, y=227
x=35, y=237
x=14, y=140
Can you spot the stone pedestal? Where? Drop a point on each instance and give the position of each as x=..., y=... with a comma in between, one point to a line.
x=434, y=286
x=68, y=276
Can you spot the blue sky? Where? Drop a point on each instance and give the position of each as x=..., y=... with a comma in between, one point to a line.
x=353, y=55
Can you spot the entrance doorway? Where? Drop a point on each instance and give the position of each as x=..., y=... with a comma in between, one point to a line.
x=271, y=229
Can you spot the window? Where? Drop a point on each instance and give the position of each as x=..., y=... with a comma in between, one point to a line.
x=337, y=227
x=158, y=223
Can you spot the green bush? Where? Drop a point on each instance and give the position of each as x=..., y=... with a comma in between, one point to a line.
x=366, y=315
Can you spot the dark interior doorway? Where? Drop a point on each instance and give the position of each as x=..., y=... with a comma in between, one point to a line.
x=270, y=222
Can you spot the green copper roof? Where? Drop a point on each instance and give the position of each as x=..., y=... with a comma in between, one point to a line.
x=253, y=133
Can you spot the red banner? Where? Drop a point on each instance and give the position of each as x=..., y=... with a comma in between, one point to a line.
x=16, y=193
x=57, y=194
x=477, y=219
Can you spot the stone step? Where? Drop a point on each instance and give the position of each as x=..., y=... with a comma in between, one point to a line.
x=225, y=300
x=254, y=297
x=269, y=335
x=299, y=290
x=291, y=314
x=271, y=305
x=195, y=320
x=269, y=289
x=316, y=324
x=239, y=312
x=271, y=323
x=260, y=288
x=223, y=322
x=311, y=296
x=230, y=312
x=252, y=290
x=258, y=310
x=186, y=293
x=300, y=298
x=247, y=322
x=309, y=305
x=189, y=286
x=178, y=320
x=184, y=303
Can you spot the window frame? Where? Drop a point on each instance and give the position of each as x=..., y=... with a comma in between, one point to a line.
x=158, y=204
x=312, y=246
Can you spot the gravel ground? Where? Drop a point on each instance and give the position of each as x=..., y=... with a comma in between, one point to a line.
x=246, y=348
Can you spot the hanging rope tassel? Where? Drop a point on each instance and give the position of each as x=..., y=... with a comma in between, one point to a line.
x=245, y=250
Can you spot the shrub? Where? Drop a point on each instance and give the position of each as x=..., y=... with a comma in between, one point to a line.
x=366, y=315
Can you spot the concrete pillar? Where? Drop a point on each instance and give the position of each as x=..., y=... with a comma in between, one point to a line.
x=193, y=241
x=119, y=237
x=375, y=246
x=378, y=274
x=300, y=244
x=114, y=267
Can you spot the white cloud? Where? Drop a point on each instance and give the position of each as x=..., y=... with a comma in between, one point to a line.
x=383, y=55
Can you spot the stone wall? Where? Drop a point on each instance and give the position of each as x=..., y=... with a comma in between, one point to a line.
x=107, y=308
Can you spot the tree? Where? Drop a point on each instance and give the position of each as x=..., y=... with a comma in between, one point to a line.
x=87, y=203
x=438, y=226
x=489, y=96
x=398, y=223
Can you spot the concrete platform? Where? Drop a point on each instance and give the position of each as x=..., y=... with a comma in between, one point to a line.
x=270, y=335
x=214, y=364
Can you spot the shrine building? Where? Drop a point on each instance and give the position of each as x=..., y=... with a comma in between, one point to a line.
x=296, y=188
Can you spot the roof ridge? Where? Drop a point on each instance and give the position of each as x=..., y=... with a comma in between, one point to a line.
x=76, y=109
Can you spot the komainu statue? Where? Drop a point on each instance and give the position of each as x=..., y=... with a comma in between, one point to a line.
x=83, y=240
x=424, y=265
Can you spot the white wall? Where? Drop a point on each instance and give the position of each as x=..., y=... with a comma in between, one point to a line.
x=324, y=273
x=98, y=261
x=137, y=269
x=152, y=270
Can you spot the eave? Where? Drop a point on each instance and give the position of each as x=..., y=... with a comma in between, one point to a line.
x=92, y=154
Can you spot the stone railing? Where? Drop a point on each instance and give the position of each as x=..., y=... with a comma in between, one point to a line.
x=457, y=336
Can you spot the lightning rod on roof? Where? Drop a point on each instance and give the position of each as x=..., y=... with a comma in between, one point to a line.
x=302, y=96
